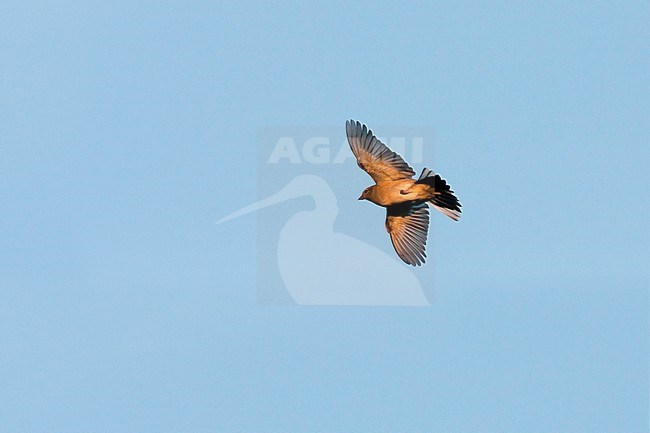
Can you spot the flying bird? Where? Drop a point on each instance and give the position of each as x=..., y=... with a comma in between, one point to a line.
x=406, y=199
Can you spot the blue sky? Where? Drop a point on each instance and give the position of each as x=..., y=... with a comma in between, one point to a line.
x=129, y=128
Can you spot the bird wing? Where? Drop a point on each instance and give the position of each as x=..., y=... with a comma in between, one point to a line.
x=375, y=157
x=408, y=225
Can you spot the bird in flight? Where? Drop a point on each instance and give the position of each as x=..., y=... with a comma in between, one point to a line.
x=406, y=199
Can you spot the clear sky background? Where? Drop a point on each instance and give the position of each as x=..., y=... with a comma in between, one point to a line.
x=128, y=128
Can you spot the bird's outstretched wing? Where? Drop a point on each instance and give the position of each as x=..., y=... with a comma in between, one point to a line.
x=373, y=156
x=408, y=224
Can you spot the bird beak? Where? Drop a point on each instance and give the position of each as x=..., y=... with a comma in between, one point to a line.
x=278, y=197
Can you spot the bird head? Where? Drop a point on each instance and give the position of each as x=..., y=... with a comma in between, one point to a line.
x=303, y=185
x=365, y=194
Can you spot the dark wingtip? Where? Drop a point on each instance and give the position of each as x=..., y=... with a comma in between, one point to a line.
x=353, y=126
x=349, y=128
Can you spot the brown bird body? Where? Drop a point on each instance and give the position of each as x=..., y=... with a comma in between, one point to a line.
x=392, y=192
x=406, y=199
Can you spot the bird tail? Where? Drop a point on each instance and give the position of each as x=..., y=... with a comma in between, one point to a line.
x=443, y=198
